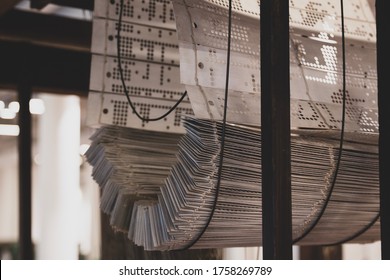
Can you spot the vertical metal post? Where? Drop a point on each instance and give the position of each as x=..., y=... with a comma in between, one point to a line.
x=25, y=177
x=383, y=62
x=275, y=126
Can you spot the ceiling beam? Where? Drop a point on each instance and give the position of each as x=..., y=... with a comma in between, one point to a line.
x=47, y=30
x=39, y=4
x=6, y=5
x=81, y=4
x=56, y=49
x=50, y=70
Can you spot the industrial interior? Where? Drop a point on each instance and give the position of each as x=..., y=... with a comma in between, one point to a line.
x=194, y=129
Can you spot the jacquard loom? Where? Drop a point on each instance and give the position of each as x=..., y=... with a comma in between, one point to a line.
x=159, y=178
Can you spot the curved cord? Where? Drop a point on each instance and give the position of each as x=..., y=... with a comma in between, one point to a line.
x=360, y=232
x=314, y=224
x=123, y=80
x=221, y=156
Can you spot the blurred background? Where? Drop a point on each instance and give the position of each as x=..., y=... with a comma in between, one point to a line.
x=65, y=199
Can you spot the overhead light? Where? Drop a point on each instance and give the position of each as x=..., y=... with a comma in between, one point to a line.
x=37, y=106
x=7, y=114
x=9, y=130
x=14, y=106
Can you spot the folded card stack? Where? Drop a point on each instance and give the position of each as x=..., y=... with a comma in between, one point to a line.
x=186, y=199
x=129, y=164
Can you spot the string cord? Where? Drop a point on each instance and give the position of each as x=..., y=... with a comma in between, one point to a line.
x=222, y=147
x=358, y=233
x=314, y=224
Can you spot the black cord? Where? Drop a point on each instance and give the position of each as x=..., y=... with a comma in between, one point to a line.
x=222, y=148
x=360, y=232
x=313, y=225
x=123, y=80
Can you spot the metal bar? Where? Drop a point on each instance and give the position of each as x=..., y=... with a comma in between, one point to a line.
x=46, y=30
x=84, y=4
x=39, y=4
x=61, y=60
x=383, y=63
x=54, y=70
x=275, y=124
x=25, y=183
x=81, y=4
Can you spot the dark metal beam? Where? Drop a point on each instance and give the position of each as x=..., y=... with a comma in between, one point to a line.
x=383, y=46
x=59, y=49
x=25, y=166
x=275, y=126
x=48, y=30
x=39, y=4
x=6, y=5
x=52, y=70
x=81, y=4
